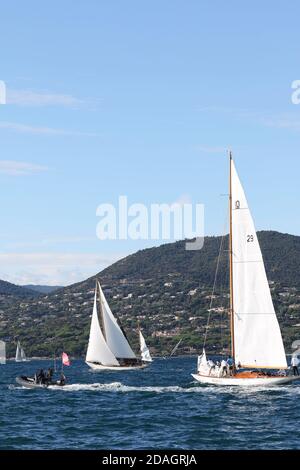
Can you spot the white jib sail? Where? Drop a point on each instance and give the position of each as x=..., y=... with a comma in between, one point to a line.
x=146, y=356
x=258, y=340
x=2, y=352
x=23, y=355
x=98, y=351
x=18, y=353
x=203, y=367
x=115, y=338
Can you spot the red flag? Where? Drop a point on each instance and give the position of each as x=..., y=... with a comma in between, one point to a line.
x=65, y=359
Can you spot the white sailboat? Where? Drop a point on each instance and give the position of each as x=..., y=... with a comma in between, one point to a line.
x=2, y=353
x=108, y=347
x=20, y=354
x=256, y=340
x=145, y=353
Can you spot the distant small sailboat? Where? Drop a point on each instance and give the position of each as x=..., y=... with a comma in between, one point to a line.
x=20, y=354
x=108, y=347
x=145, y=353
x=2, y=353
x=256, y=341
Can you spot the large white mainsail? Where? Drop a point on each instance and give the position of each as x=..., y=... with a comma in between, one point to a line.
x=2, y=352
x=257, y=337
x=114, y=336
x=146, y=356
x=98, y=351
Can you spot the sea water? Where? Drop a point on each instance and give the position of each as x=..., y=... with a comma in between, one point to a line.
x=156, y=408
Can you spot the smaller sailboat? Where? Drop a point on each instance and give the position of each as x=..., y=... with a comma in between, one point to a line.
x=2, y=353
x=108, y=347
x=145, y=353
x=20, y=354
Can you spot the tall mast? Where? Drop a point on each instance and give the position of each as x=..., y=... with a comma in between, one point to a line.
x=231, y=264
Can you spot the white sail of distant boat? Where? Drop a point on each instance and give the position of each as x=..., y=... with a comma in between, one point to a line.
x=23, y=355
x=256, y=341
x=115, y=337
x=108, y=346
x=98, y=351
x=174, y=351
x=20, y=353
x=145, y=353
x=2, y=353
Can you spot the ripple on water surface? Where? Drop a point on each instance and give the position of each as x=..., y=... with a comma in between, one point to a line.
x=159, y=407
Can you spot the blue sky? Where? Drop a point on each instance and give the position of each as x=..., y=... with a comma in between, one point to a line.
x=109, y=98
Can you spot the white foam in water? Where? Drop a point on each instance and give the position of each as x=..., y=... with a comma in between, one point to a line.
x=119, y=387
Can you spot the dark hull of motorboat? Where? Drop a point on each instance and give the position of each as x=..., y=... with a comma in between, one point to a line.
x=28, y=382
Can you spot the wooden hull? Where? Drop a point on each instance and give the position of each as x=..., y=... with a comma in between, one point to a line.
x=244, y=381
x=100, y=367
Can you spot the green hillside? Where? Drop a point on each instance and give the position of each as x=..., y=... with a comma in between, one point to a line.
x=167, y=289
x=6, y=288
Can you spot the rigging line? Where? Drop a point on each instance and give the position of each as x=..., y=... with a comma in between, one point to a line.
x=215, y=281
x=224, y=305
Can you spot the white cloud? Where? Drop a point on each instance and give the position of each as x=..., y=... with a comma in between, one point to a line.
x=13, y=168
x=47, y=242
x=53, y=268
x=282, y=122
x=32, y=98
x=26, y=129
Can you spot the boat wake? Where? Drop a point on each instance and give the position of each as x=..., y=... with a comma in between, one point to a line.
x=119, y=387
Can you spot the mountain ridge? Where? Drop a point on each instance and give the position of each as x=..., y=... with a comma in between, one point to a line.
x=167, y=289
x=42, y=289
x=8, y=288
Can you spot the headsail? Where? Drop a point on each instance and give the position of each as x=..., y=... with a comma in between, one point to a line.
x=2, y=352
x=257, y=337
x=115, y=338
x=23, y=355
x=98, y=351
x=203, y=366
x=146, y=356
x=18, y=353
